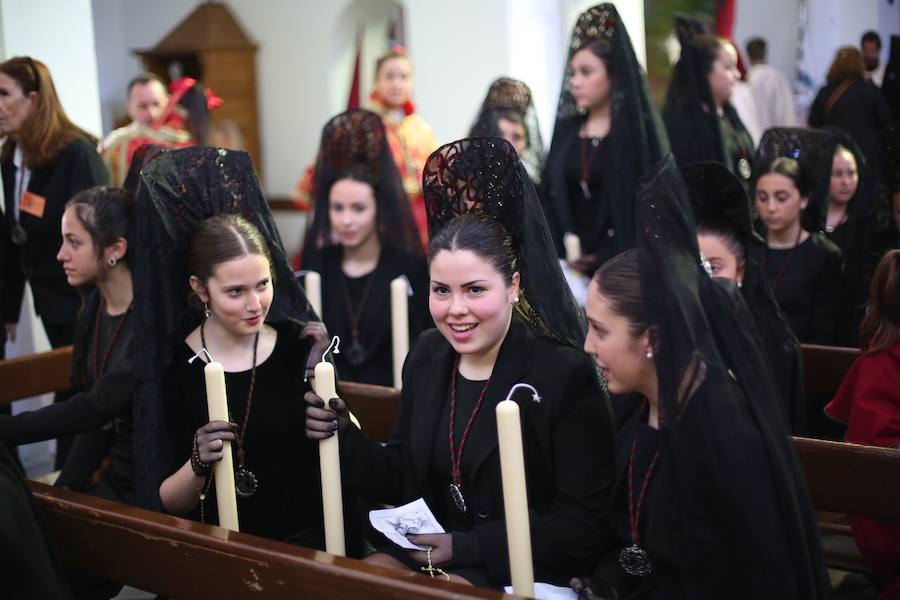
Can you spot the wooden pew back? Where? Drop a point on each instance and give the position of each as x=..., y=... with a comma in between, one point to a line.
x=824, y=368
x=183, y=559
x=35, y=374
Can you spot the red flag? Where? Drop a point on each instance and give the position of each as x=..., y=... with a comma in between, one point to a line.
x=353, y=99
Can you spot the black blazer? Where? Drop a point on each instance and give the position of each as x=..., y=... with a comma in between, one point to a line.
x=77, y=168
x=568, y=444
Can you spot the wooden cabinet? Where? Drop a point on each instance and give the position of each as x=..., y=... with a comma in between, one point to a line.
x=210, y=46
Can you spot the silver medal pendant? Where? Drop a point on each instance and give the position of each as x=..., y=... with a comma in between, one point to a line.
x=245, y=483
x=356, y=354
x=744, y=168
x=18, y=235
x=458, y=500
x=634, y=561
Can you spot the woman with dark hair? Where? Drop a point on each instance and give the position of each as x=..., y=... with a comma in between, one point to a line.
x=804, y=268
x=701, y=122
x=735, y=251
x=707, y=445
x=96, y=260
x=361, y=238
x=508, y=112
x=204, y=228
x=607, y=135
x=868, y=401
x=503, y=315
x=851, y=103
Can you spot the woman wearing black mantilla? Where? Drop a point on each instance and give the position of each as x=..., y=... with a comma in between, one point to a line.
x=361, y=238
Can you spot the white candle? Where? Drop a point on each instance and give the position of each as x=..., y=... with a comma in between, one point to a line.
x=313, y=288
x=330, y=466
x=399, y=326
x=515, y=499
x=572, y=244
x=217, y=404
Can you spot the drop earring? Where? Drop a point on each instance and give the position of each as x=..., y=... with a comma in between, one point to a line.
x=206, y=311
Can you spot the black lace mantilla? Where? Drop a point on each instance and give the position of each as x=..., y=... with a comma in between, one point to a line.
x=353, y=137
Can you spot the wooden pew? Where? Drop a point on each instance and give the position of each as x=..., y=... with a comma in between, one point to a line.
x=35, y=374
x=186, y=560
x=824, y=368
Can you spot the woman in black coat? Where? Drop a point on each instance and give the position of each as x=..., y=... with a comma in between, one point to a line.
x=851, y=103
x=46, y=160
x=495, y=299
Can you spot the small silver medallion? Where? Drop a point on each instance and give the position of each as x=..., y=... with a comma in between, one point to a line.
x=245, y=483
x=634, y=561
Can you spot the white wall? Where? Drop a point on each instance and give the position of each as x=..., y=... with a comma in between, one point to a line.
x=776, y=21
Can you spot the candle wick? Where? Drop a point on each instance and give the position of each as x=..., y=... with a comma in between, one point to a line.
x=534, y=393
x=334, y=347
x=209, y=358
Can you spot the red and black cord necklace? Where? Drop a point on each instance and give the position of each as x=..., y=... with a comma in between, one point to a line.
x=100, y=367
x=634, y=559
x=456, y=456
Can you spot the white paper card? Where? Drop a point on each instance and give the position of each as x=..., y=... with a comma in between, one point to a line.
x=547, y=591
x=395, y=523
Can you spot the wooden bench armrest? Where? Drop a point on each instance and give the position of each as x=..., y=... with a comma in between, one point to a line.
x=35, y=374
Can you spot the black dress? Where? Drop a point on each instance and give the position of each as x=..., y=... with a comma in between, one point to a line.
x=100, y=414
x=287, y=505
x=807, y=283
x=374, y=318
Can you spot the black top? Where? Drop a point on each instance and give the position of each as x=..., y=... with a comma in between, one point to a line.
x=591, y=215
x=861, y=111
x=287, y=505
x=808, y=289
x=374, y=317
x=77, y=168
x=567, y=441
x=104, y=403
x=853, y=238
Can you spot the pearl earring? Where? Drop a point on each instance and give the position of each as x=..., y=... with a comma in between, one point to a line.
x=649, y=354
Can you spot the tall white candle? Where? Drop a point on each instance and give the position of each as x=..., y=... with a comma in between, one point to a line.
x=313, y=288
x=217, y=404
x=515, y=499
x=330, y=466
x=572, y=244
x=399, y=326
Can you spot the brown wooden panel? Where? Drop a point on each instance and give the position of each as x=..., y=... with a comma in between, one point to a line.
x=852, y=479
x=374, y=405
x=187, y=560
x=824, y=368
x=35, y=374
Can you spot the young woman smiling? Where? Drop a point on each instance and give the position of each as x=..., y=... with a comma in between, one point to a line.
x=504, y=316
x=361, y=238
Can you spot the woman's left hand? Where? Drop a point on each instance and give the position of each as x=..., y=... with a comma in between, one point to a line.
x=441, y=548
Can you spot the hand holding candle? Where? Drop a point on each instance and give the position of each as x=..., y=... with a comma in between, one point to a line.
x=515, y=497
x=399, y=326
x=217, y=404
x=330, y=465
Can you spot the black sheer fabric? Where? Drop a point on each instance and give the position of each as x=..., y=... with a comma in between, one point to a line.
x=139, y=160
x=717, y=195
x=484, y=174
x=180, y=189
x=696, y=131
x=505, y=96
x=725, y=454
x=356, y=140
x=887, y=230
x=636, y=140
x=890, y=85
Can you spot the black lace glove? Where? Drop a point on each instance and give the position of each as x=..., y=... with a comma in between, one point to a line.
x=588, y=589
x=441, y=548
x=210, y=439
x=318, y=334
x=322, y=423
